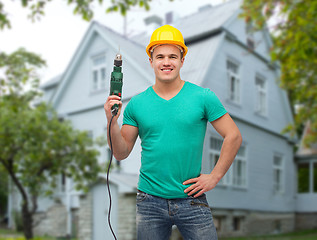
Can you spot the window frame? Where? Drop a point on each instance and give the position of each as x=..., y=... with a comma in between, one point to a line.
x=234, y=90
x=281, y=168
x=229, y=178
x=261, y=106
x=100, y=69
x=311, y=180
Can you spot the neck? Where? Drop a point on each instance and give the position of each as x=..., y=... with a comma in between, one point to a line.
x=168, y=90
x=168, y=87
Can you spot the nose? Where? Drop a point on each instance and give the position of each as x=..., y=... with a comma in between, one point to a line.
x=166, y=61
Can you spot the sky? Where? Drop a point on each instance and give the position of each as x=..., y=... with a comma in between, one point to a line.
x=56, y=36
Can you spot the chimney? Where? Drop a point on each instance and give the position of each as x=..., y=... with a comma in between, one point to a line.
x=171, y=18
x=152, y=23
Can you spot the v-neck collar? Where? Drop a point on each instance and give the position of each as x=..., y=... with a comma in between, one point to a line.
x=171, y=99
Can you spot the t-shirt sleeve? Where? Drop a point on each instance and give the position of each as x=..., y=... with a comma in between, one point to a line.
x=128, y=115
x=213, y=107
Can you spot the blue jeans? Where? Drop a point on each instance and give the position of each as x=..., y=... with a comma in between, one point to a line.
x=155, y=217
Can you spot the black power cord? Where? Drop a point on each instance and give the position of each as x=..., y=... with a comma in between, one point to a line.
x=108, y=171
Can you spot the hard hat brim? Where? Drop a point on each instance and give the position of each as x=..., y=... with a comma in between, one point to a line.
x=152, y=44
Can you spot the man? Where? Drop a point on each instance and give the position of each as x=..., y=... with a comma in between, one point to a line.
x=171, y=117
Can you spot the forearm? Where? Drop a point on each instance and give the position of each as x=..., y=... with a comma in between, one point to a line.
x=229, y=149
x=119, y=146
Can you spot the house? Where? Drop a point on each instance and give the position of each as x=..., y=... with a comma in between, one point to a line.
x=258, y=194
x=306, y=197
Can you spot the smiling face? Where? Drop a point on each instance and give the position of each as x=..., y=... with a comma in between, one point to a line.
x=166, y=61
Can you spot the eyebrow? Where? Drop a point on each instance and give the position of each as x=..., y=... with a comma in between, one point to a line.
x=170, y=55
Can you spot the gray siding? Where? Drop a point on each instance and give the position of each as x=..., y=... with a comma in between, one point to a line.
x=258, y=194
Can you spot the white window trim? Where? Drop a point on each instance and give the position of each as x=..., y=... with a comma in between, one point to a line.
x=101, y=85
x=259, y=90
x=234, y=168
x=310, y=178
x=233, y=96
x=282, y=169
x=228, y=178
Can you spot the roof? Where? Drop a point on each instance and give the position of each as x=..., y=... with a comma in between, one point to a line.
x=197, y=62
x=131, y=52
x=304, y=150
x=132, y=48
x=208, y=20
x=52, y=82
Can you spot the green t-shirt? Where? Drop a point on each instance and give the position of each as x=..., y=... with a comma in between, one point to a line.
x=172, y=133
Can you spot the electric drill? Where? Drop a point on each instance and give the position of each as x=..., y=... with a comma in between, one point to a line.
x=116, y=82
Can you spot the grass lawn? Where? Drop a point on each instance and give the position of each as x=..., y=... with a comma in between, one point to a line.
x=302, y=235
x=6, y=234
x=11, y=233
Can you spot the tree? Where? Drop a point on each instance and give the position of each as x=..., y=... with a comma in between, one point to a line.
x=83, y=8
x=294, y=48
x=36, y=146
x=3, y=192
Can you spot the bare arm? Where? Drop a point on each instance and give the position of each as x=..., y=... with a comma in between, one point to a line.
x=122, y=139
x=226, y=127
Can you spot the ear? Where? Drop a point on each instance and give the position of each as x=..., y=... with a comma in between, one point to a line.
x=151, y=62
x=182, y=61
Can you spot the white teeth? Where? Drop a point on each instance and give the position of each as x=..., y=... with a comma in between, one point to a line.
x=166, y=70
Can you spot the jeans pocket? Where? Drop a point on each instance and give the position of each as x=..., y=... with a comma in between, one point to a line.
x=140, y=197
x=200, y=201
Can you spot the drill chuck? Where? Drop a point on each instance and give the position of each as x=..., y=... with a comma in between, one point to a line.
x=118, y=60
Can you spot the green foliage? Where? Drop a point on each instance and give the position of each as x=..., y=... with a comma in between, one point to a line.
x=36, y=146
x=3, y=192
x=19, y=72
x=83, y=8
x=295, y=48
x=39, y=147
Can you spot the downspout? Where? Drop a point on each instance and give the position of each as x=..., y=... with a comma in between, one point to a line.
x=68, y=207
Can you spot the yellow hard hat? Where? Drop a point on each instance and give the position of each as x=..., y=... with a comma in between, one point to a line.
x=166, y=35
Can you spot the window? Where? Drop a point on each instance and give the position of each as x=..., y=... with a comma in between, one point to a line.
x=303, y=178
x=250, y=43
x=99, y=72
x=277, y=226
x=237, y=223
x=218, y=222
x=236, y=175
x=250, y=35
x=233, y=81
x=61, y=183
x=260, y=95
x=307, y=177
x=239, y=169
x=277, y=174
x=215, y=148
